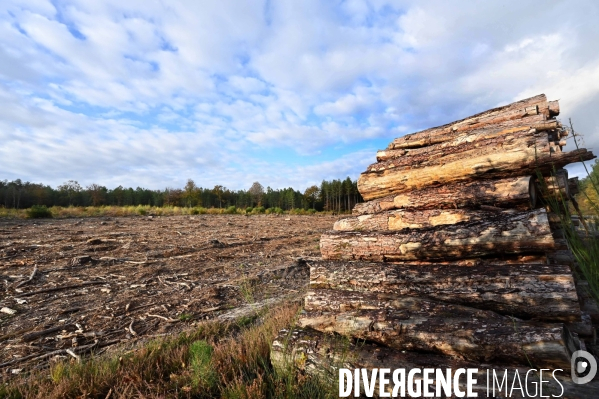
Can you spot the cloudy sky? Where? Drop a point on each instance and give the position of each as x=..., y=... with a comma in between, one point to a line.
x=151, y=93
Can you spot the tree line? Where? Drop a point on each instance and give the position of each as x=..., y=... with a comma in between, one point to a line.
x=334, y=195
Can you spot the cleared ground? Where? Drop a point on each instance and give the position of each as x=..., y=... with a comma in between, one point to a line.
x=99, y=282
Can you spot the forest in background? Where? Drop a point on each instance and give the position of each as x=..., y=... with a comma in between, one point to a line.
x=334, y=195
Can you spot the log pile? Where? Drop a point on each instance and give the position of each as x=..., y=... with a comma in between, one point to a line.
x=453, y=254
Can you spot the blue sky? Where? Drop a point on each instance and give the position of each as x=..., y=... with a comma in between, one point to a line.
x=151, y=93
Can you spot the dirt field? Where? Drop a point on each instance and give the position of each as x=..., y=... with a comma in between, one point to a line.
x=104, y=281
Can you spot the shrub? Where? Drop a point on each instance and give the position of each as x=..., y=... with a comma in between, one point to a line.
x=258, y=209
x=231, y=210
x=275, y=210
x=200, y=355
x=198, y=210
x=249, y=209
x=39, y=211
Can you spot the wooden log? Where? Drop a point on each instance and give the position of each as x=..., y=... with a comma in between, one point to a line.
x=583, y=327
x=573, y=185
x=460, y=143
x=486, y=139
x=555, y=187
x=528, y=259
x=413, y=219
x=410, y=323
x=514, y=192
x=588, y=304
x=489, y=143
x=543, y=292
x=551, y=110
x=503, y=233
x=321, y=355
x=520, y=161
x=515, y=113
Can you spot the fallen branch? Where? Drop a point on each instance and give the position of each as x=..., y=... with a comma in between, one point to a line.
x=36, y=334
x=22, y=283
x=64, y=287
x=131, y=327
x=163, y=318
x=77, y=357
x=37, y=356
x=208, y=310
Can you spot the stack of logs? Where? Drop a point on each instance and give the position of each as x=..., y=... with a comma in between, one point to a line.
x=453, y=260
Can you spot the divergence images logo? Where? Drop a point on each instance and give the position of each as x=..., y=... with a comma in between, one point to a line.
x=584, y=367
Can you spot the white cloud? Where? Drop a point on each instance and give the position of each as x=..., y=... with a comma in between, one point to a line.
x=150, y=93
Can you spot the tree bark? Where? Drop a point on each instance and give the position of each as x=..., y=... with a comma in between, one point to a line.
x=402, y=219
x=539, y=291
x=474, y=165
x=492, y=144
x=556, y=186
x=502, y=233
x=409, y=323
x=520, y=112
x=480, y=139
x=514, y=192
x=573, y=186
x=322, y=355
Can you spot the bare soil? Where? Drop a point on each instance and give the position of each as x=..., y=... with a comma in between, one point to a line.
x=104, y=281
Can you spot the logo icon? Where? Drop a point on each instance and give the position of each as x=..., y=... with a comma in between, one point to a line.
x=584, y=367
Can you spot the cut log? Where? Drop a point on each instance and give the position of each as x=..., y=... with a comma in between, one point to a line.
x=573, y=185
x=526, y=109
x=588, y=304
x=409, y=323
x=460, y=143
x=543, y=292
x=555, y=187
x=515, y=192
x=490, y=143
x=503, y=233
x=501, y=164
x=468, y=145
x=402, y=219
x=584, y=327
x=321, y=355
x=551, y=110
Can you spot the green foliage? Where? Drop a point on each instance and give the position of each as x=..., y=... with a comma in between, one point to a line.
x=249, y=209
x=275, y=210
x=185, y=317
x=332, y=196
x=38, y=212
x=589, y=191
x=258, y=209
x=142, y=211
x=231, y=210
x=200, y=355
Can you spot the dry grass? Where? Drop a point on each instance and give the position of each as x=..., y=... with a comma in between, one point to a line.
x=118, y=211
x=215, y=360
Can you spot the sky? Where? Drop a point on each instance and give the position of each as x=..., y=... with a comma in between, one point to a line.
x=288, y=93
